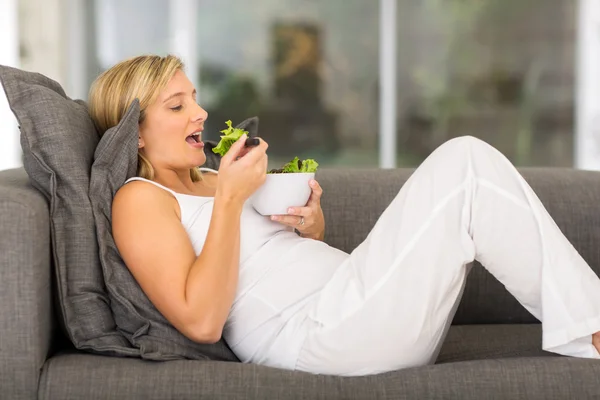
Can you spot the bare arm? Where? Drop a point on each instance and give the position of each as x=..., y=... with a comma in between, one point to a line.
x=193, y=293
x=217, y=284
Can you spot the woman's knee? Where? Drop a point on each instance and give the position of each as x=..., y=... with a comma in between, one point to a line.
x=454, y=151
x=460, y=147
x=458, y=154
x=464, y=143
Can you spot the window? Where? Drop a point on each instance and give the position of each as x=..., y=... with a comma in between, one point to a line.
x=500, y=70
x=308, y=69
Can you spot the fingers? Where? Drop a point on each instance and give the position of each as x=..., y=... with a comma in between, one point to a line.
x=290, y=220
x=242, y=152
x=235, y=150
x=261, y=167
x=256, y=160
x=256, y=152
x=264, y=166
x=305, y=212
x=247, y=156
x=316, y=193
x=294, y=215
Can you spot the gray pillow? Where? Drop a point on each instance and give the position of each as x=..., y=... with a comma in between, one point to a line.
x=58, y=139
x=145, y=327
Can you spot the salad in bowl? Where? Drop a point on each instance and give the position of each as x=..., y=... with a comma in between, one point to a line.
x=284, y=187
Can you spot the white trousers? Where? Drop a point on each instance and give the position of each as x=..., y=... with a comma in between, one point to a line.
x=389, y=305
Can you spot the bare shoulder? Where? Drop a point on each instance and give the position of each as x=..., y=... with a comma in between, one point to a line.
x=139, y=195
x=141, y=209
x=155, y=247
x=138, y=204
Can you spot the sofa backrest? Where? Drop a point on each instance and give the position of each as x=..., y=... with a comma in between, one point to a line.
x=354, y=199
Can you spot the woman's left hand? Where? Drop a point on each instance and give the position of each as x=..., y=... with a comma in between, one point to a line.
x=308, y=220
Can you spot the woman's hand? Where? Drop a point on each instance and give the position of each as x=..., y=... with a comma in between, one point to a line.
x=242, y=170
x=308, y=220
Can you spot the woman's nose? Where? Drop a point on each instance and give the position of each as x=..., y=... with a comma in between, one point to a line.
x=200, y=114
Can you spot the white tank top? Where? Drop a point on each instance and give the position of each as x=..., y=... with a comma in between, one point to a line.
x=280, y=272
x=196, y=212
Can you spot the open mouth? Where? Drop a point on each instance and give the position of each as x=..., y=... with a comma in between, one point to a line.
x=193, y=138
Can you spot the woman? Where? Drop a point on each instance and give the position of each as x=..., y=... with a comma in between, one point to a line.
x=214, y=267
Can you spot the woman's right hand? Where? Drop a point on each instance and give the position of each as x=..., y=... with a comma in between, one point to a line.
x=242, y=170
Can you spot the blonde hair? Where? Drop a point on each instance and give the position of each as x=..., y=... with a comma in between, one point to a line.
x=142, y=77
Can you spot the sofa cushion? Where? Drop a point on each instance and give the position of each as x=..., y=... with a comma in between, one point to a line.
x=77, y=376
x=58, y=139
x=115, y=161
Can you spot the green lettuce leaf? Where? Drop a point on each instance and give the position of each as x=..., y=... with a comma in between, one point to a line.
x=292, y=166
x=308, y=165
x=229, y=136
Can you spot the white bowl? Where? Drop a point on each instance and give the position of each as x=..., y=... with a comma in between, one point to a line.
x=281, y=191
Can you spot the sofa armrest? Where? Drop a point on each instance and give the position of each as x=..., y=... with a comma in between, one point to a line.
x=26, y=321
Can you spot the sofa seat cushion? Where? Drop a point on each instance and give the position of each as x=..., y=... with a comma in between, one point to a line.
x=82, y=376
x=527, y=372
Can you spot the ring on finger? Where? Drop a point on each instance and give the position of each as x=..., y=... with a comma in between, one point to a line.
x=301, y=221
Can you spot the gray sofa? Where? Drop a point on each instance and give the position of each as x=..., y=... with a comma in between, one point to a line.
x=493, y=349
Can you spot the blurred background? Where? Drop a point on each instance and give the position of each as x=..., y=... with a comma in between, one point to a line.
x=351, y=83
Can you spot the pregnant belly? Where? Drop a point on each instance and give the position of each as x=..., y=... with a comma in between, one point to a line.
x=288, y=269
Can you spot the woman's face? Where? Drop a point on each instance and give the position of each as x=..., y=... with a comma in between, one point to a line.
x=170, y=135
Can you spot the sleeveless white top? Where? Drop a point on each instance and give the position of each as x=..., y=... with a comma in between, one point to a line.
x=280, y=275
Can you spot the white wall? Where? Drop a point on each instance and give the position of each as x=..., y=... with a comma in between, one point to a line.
x=587, y=146
x=10, y=149
x=42, y=38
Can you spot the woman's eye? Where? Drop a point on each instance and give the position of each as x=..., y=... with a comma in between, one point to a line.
x=178, y=108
